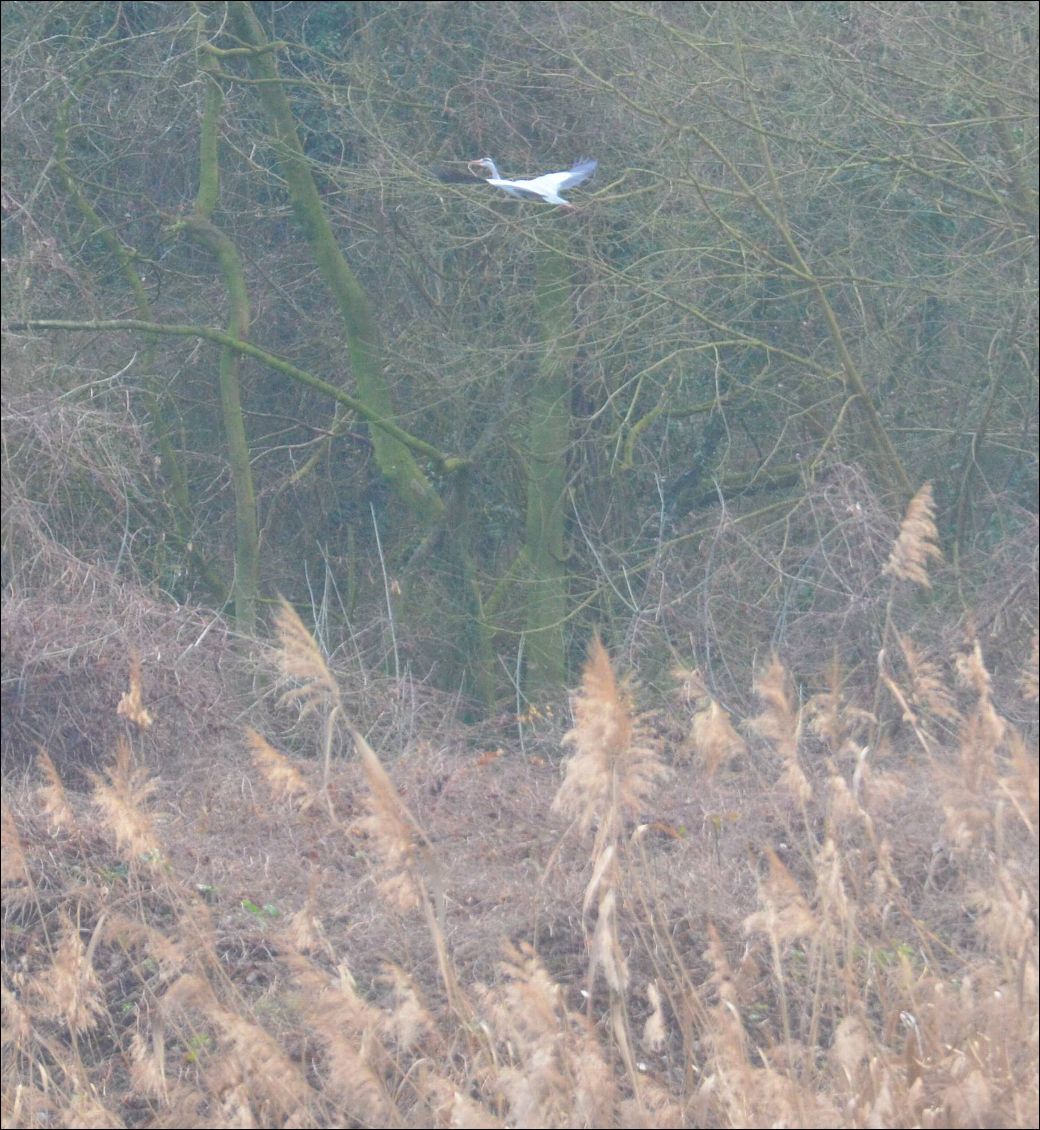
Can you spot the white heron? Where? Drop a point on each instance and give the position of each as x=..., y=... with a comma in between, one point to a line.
x=546, y=187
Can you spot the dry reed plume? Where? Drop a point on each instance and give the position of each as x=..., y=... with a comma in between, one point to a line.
x=918, y=541
x=616, y=765
x=864, y=956
x=780, y=723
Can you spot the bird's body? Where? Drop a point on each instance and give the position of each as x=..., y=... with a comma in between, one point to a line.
x=547, y=187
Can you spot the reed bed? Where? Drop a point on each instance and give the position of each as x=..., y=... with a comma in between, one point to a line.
x=819, y=915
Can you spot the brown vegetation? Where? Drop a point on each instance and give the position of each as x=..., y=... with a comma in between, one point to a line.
x=793, y=925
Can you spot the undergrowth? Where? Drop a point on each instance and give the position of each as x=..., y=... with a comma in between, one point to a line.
x=821, y=915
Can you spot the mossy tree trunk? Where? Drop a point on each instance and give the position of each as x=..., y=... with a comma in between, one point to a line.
x=200, y=226
x=548, y=438
x=395, y=461
x=477, y=666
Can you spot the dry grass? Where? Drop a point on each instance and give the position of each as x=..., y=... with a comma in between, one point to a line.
x=800, y=919
x=917, y=542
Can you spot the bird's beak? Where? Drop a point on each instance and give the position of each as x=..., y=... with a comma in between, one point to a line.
x=475, y=167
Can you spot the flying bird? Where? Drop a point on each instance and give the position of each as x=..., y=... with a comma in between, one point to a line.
x=547, y=187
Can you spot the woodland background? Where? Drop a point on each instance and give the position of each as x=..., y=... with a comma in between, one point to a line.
x=266, y=337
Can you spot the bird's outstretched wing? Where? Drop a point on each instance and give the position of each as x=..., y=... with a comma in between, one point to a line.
x=577, y=175
x=550, y=185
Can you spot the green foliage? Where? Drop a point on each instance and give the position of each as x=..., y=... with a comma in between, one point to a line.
x=268, y=910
